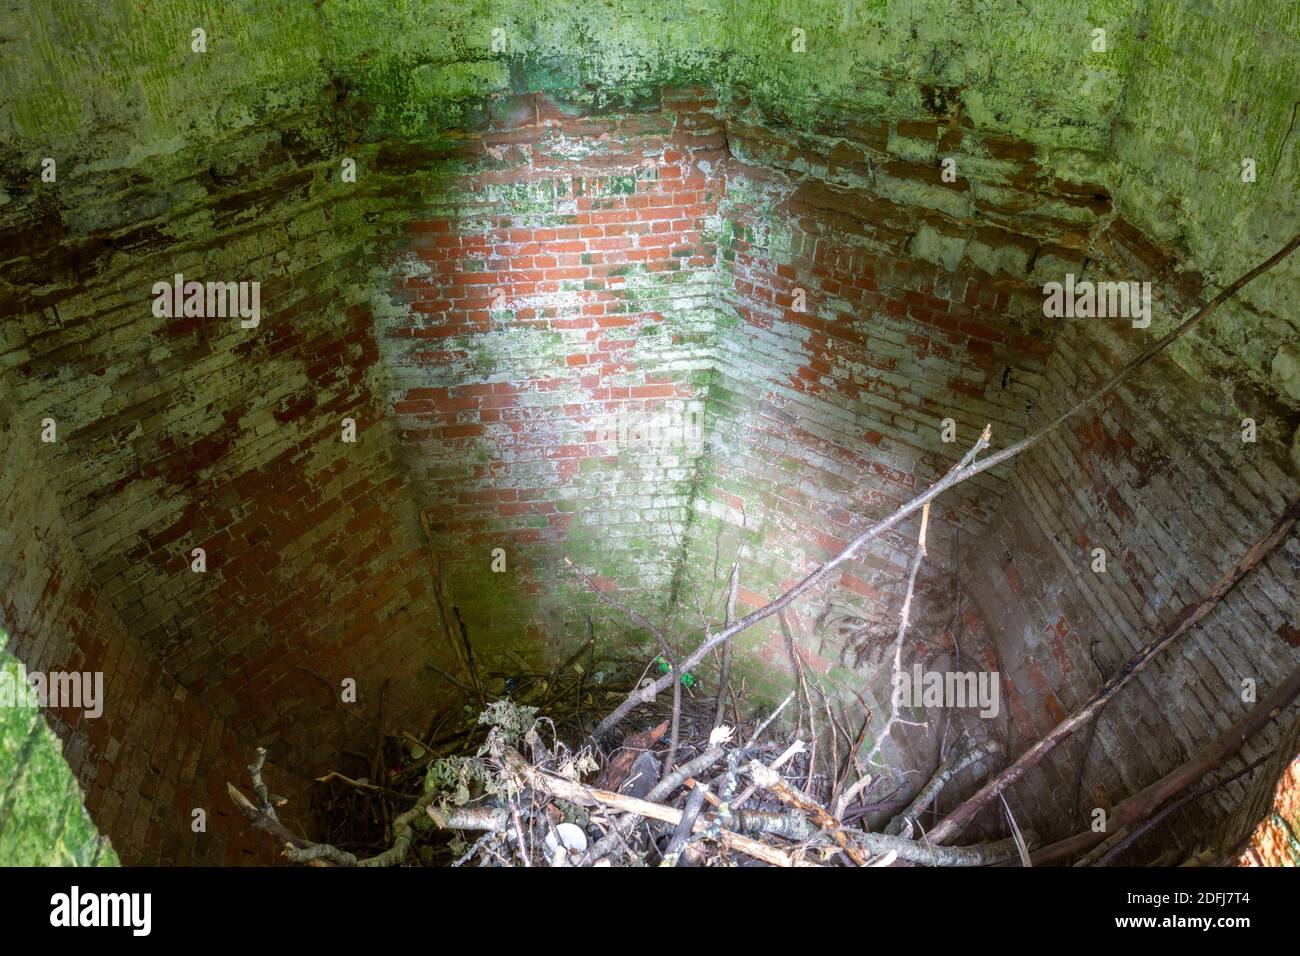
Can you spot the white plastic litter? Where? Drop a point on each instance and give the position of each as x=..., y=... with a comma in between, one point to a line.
x=571, y=838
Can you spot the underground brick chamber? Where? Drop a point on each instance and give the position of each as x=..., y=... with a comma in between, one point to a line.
x=644, y=301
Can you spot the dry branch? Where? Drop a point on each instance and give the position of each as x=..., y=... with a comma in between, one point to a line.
x=262, y=815
x=665, y=648
x=905, y=615
x=496, y=819
x=1104, y=853
x=958, y=759
x=460, y=646
x=771, y=780
x=724, y=675
x=797, y=827
x=525, y=774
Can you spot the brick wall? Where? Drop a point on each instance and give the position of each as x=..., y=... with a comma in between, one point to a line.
x=155, y=753
x=490, y=308
x=192, y=432
x=552, y=297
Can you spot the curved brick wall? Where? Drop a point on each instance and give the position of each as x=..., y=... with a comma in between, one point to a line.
x=1158, y=475
x=761, y=258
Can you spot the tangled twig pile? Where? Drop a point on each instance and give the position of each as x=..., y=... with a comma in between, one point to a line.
x=733, y=800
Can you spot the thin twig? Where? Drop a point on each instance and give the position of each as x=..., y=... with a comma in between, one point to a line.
x=724, y=675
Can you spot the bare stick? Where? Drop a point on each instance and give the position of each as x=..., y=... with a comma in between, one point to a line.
x=458, y=648
x=770, y=780
x=665, y=648
x=583, y=795
x=335, y=775
x=724, y=675
x=834, y=775
x=494, y=819
x=963, y=469
x=671, y=757
x=798, y=827
x=263, y=816
x=263, y=820
x=1107, y=852
x=471, y=662
x=797, y=663
x=1187, y=619
x=904, y=619
x=953, y=478
x=522, y=844
x=694, y=804
x=787, y=755
x=846, y=799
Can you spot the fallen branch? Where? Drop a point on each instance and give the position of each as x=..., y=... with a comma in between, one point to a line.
x=797, y=663
x=660, y=790
x=460, y=647
x=525, y=774
x=685, y=826
x=797, y=827
x=842, y=800
x=964, y=469
x=846, y=799
x=262, y=815
x=335, y=775
x=773, y=782
x=1105, y=853
x=495, y=819
x=724, y=673
x=665, y=648
x=905, y=615
x=1187, y=619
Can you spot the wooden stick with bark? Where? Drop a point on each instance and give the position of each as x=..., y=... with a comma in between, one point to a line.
x=958, y=759
x=459, y=643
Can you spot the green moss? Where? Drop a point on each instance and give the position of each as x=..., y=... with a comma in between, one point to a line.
x=1216, y=83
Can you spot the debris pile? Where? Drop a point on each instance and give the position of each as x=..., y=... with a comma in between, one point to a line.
x=523, y=783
